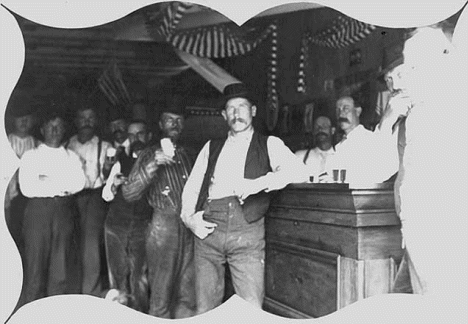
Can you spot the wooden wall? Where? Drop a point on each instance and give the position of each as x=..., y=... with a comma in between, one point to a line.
x=326, y=64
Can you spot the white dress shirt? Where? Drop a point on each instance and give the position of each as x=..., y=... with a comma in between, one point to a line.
x=316, y=161
x=287, y=168
x=368, y=157
x=49, y=172
x=88, y=154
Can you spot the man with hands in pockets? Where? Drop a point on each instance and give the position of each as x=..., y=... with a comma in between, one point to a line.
x=226, y=197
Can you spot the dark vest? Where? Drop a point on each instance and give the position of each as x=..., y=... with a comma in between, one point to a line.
x=128, y=211
x=257, y=164
x=126, y=164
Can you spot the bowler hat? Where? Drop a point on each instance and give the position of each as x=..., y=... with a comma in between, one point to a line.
x=237, y=90
x=392, y=57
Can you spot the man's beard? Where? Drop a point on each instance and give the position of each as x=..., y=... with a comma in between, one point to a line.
x=322, y=136
x=86, y=128
x=173, y=133
x=119, y=136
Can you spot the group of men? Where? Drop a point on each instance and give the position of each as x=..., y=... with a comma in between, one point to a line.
x=367, y=156
x=169, y=224
x=166, y=230
x=404, y=145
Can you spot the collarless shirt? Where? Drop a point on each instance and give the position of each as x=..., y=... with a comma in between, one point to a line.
x=286, y=168
x=230, y=165
x=50, y=172
x=316, y=161
x=21, y=144
x=89, y=157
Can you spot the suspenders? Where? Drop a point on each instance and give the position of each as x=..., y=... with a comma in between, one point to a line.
x=99, y=157
x=306, y=155
x=98, y=163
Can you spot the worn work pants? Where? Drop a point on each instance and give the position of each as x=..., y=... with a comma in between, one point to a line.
x=126, y=260
x=241, y=245
x=47, y=233
x=169, y=251
x=14, y=219
x=92, y=212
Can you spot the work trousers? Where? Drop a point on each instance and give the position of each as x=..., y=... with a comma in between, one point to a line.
x=92, y=213
x=14, y=219
x=237, y=242
x=48, y=226
x=126, y=259
x=169, y=250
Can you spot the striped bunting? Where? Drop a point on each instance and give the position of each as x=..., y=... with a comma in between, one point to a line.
x=342, y=32
x=165, y=22
x=217, y=41
x=272, y=97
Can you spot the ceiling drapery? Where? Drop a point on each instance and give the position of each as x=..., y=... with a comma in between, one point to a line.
x=341, y=32
x=215, y=41
x=218, y=41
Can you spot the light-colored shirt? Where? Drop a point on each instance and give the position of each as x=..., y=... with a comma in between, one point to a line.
x=368, y=157
x=50, y=172
x=287, y=168
x=19, y=145
x=107, y=193
x=316, y=162
x=88, y=153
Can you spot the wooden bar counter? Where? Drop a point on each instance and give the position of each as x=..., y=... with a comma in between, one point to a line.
x=329, y=245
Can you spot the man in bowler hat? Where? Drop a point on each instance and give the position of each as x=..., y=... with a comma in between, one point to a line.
x=225, y=200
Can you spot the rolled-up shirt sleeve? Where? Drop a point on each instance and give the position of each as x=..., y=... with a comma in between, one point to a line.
x=194, y=182
x=107, y=193
x=31, y=182
x=37, y=178
x=287, y=167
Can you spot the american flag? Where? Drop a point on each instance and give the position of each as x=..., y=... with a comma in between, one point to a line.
x=112, y=85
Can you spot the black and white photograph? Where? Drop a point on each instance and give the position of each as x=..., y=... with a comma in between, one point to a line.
x=172, y=162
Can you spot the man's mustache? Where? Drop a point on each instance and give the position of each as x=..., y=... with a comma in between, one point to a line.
x=86, y=127
x=177, y=129
x=321, y=134
x=343, y=120
x=234, y=120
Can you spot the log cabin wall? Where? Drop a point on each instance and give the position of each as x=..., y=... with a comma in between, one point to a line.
x=65, y=61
